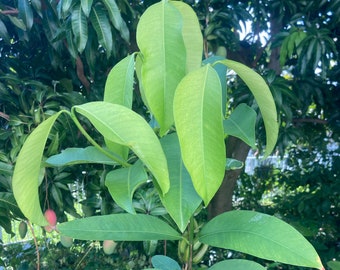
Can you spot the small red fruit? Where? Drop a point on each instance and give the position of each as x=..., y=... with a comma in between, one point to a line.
x=109, y=246
x=51, y=217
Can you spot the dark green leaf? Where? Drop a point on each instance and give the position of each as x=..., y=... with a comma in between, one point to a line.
x=26, y=13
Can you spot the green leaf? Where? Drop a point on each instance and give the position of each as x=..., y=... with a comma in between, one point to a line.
x=237, y=264
x=79, y=27
x=123, y=126
x=6, y=169
x=264, y=99
x=7, y=201
x=18, y=22
x=192, y=36
x=25, y=13
x=102, y=27
x=27, y=170
x=182, y=200
x=260, y=235
x=72, y=156
x=241, y=124
x=116, y=19
x=122, y=183
x=86, y=6
x=233, y=164
x=4, y=32
x=198, y=120
x=159, y=38
x=119, y=227
x=334, y=265
x=119, y=83
x=164, y=263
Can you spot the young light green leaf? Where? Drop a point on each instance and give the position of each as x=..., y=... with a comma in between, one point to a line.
x=192, y=36
x=263, y=97
x=182, y=200
x=102, y=27
x=198, y=120
x=160, y=40
x=119, y=227
x=237, y=264
x=72, y=156
x=119, y=124
x=116, y=19
x=79, y=27
x=233, y=164
x=260, y=235
x=119, y=90
x=25, y=180
x=241, y=124
x=122, y=183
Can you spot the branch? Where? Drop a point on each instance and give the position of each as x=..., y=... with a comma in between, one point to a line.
x=13, y=11
x=81, y=75
x=5, y=116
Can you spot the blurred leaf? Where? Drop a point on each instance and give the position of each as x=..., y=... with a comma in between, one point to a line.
x=79, y=28
x=237, y=264
x=164, y=263
x=25, y=13
x=17, y=22
x=4, y=32
x=86, y=6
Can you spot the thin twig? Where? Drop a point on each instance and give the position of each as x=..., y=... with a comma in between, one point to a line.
x=36, y=244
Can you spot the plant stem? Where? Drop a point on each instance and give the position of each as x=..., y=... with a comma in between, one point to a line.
x=36, y=244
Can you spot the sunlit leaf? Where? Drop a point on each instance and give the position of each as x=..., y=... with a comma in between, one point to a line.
x=159, y=38
x=119, y=227
x=260, y=235
x=198, y=120
x=27, y=170
x=263, y=97
x=119, y=124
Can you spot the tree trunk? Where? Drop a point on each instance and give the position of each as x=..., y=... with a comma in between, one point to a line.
x=223, y=199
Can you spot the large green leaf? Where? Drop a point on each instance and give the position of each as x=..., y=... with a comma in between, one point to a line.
x=159, y=37
x=26, y=173
x=119, y=90
x=241, y=124
x=71, y=156
x=260, y=235
x=237, y=264
x=123, y=126
x=119, y=227
x=102, y=27
x=182, y=200
x=192, y=36
x=116, y=19
x=263, y=97
x=79, y=27
x=25, y=13
x=122, y=183
x=198, y=120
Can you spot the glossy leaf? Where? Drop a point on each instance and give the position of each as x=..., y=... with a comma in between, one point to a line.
x=116, y=19
x=260, y=235
x=102, y=27
x=237, y=264
x=192, y=36
x=119, y=124
x=79, y=27
x=182, y=200
x=241, y=124
x=26, y=173
x=264, y=99
x=25, y=13
x=119, y=90
x=164, y=263
x=72, y=156
x=122, y=183
x=86, y=6
x=159, y=38
x=119, y=227
x=198, y=120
